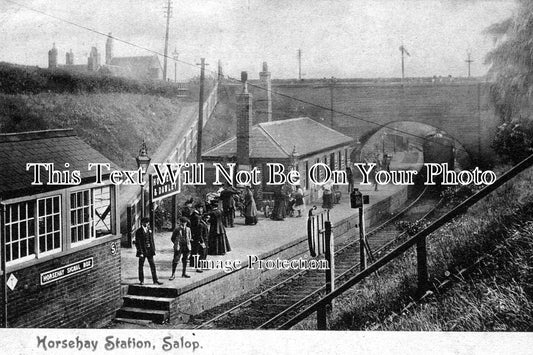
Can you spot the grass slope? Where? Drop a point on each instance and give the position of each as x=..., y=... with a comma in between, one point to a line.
x=498, y=295
x=113, y=123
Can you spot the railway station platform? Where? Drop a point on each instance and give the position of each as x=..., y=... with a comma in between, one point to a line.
x=269, y=240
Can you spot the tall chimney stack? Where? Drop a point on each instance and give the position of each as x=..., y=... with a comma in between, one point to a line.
x=244, y=122
x=93, y=62
x=52, y=57
x=69, y=58
x=265, y=102
x=109, y=49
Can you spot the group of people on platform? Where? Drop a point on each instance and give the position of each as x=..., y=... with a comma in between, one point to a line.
x=201, y=229
x=287, y=201
x=231, y=200
x=193, y=239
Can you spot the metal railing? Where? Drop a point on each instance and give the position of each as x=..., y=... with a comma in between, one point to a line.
x=421, y=252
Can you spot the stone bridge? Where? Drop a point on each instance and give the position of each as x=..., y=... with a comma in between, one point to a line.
x=462, y=109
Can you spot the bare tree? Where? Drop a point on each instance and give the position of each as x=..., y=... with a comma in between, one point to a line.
x=512, y=62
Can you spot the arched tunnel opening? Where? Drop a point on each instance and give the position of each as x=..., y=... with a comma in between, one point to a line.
x=407, y=145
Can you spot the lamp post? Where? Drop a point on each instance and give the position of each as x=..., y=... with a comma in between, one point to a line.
x=143, y=162
x=293, y=158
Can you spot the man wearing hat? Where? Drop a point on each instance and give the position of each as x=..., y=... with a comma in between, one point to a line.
x=144, y=241
x=199, y=231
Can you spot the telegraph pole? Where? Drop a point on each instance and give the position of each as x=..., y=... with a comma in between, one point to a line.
x=404, y=51
x=200, y=112
x=299, y=64
x=168, y=14
x=332, y=83
x=175, y=54
x=469, y=61
x=403, y=68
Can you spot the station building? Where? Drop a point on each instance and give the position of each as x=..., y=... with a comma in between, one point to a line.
x=60, y=243
x=297, y=143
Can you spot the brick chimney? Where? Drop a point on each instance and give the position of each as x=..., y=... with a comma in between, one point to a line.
x=265, y=102
x=109, y=49
x=69, y=58
x=52, y=57
x=93, y=62
x=244, y=122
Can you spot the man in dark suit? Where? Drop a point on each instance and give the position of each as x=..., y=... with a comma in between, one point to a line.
x=144, y=241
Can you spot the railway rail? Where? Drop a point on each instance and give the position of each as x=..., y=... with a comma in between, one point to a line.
x=270, y=307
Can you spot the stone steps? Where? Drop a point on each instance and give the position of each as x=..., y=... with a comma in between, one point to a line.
x=147, y=303
x=154, y=315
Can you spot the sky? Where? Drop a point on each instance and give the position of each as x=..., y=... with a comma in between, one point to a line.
x=340, y=38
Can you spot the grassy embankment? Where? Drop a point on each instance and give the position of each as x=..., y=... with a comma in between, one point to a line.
x=111, y=114
x=496, y=294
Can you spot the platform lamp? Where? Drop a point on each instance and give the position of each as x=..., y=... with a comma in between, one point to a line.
x=143, y=162
x=293, y=157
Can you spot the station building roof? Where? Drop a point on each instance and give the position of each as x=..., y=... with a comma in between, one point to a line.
x=59, y=147
x=277, y=139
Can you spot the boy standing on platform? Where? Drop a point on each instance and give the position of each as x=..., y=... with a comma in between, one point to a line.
x=181, y=238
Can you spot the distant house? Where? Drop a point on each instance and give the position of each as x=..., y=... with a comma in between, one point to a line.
x=60, y=242
x=142, y=67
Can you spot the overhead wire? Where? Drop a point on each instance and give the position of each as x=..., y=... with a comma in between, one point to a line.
x=378, y=125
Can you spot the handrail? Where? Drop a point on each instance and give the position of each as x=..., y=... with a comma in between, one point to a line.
x=460, y=209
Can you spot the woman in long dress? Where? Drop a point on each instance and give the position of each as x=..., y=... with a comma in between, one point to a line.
x=218, y=240
x=278, y=212
x=250, y=210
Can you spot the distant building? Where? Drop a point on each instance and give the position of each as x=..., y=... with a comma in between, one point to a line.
x=142, y=67
x=298, y=143
x=301, y=141
x=137, y=67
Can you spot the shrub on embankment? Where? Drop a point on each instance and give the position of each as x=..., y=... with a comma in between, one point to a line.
x=19, y=79
x=498, y=296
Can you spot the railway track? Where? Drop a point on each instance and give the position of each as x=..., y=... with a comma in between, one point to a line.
x=272, y=306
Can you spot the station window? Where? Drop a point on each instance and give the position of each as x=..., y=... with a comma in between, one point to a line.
x=90, y=214
x=346, y=157
x=81, y=216
x=34, y=229
x=102, y=211
x=49, y=220
x=20, y=231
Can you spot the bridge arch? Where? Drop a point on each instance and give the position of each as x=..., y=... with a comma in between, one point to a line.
x=405, y=135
